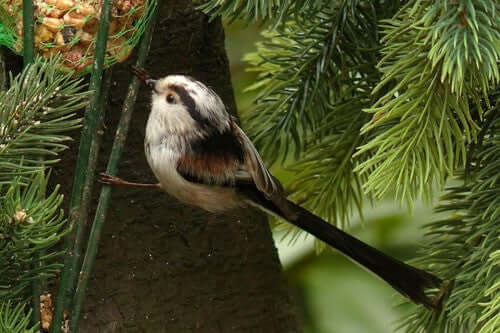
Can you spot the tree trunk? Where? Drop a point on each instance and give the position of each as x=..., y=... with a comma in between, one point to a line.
x=163, y=266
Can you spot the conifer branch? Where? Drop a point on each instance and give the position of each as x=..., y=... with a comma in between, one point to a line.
x=464, y=247
x=259, y=10
x=438, y=57
x=315, y=78
x=14, y=318
x=29, y=222
x=491, y=307
x=35, y=111
x=304, y=68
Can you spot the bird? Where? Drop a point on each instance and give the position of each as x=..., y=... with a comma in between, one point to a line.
x=200, y=156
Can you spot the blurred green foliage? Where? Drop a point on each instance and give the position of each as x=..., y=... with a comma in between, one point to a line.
x=336, y=295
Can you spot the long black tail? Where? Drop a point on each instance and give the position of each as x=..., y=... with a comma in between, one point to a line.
x=409, y=281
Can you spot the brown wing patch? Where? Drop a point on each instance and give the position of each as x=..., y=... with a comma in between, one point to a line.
x=212, y=159
x=214, y=167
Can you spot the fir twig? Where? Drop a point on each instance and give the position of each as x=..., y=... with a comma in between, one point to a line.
x=34, y=116
x=303, y=70
x=438, y=57
x=29, y=222
x=315, y=78
x=464, y=247
x=258, y=10
x=15, y=318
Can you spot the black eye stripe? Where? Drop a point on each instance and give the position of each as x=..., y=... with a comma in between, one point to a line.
x=190, y=104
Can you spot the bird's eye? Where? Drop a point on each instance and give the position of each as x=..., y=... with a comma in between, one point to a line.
x=170, y=99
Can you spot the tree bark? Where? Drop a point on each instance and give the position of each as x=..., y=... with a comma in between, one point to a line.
x=163, y=266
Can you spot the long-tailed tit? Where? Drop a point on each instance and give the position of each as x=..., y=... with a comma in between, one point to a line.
x=202, y=157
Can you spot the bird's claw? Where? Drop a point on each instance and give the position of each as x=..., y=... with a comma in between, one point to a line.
x=109, y=179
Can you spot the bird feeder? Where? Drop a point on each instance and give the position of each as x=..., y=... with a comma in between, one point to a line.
x=69, y=28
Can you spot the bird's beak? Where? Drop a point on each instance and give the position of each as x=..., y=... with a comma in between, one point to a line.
x=144, y=76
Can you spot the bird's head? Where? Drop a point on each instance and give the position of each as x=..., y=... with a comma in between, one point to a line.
x=182, y=104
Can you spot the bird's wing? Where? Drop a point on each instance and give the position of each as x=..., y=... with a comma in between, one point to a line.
x=254, y=166
x=228, y=159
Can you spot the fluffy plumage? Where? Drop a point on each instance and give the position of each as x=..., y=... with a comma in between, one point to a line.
x=190, y=133
x=200, y=156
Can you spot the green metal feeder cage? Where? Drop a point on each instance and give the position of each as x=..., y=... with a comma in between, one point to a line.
x=69, y=28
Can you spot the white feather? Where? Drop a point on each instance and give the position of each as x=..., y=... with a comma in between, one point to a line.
x=168, y=129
